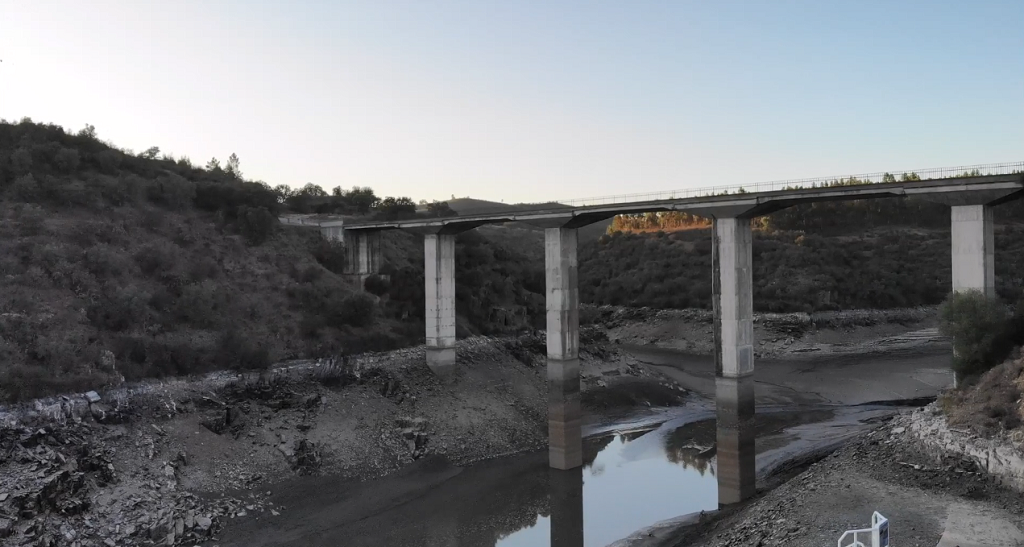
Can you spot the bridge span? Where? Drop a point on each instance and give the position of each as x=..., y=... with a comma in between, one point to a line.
x=971, y=199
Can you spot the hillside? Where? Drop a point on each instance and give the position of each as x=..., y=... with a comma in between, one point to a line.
x=793, y=270
x=120, y=265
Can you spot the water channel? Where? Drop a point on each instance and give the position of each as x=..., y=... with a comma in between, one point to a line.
x=654, y=466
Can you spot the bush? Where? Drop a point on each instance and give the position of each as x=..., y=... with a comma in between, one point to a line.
x=66, y=160
x=237, y=352
x=330, y=254
x=377, y=285
x=172, y=191
x=979, y=329
x=156, y=258
x=119, y=308
x=355, y=310
x=201, y=304
x=256, y=224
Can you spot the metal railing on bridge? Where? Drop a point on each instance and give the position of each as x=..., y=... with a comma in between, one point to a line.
x=866, y=178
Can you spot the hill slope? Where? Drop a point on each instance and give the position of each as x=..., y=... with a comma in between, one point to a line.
x=118, y=265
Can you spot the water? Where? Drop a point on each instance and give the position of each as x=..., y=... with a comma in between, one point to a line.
x=635, y=474
x=633, y=482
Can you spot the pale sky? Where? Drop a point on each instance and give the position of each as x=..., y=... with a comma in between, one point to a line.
x=528, y=101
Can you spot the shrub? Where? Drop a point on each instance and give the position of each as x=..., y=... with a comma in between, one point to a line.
x=377, y=285
x=103, y=260
x=256, y=224
x=156, y=257
x=173, y=192
x=66, y=160
x=26, y=189
x=237, y=352
x=330, y=254
x=119, y=308
x=978, y=327
x=355, y=310
x=201, y=304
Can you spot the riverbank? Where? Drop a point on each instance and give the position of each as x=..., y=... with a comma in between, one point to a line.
x=929, y=502
x=173, y=462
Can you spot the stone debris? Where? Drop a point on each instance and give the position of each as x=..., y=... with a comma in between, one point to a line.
x=59, y=487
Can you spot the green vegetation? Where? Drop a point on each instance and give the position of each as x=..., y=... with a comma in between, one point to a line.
x=983, y=333
x=141, y=265
x=880, y=253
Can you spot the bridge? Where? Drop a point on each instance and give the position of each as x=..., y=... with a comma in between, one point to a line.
x=971, y=197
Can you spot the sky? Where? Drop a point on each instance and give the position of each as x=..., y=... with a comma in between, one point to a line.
x=528, y=101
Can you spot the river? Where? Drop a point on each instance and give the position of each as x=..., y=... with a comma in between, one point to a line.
x=650, y=466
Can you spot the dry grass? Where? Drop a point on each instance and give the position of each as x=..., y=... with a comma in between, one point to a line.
x=992, y=404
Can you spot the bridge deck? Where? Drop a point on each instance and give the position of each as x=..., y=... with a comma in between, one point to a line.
x=750, y=204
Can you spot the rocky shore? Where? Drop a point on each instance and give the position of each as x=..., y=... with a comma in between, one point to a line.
x=930, y=498
x=168, y=463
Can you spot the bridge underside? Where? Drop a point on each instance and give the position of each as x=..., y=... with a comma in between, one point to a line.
x=971, y=201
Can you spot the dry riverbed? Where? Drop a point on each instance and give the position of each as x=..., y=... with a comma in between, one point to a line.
x=172, y=463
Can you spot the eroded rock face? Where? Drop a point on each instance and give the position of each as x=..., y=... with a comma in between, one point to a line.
x=999, y=456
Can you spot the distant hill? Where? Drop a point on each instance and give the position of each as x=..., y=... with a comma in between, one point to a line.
x=470, y=206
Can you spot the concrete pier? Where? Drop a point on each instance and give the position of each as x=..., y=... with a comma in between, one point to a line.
x=732, y=287
x=362, y=250
x=439, y=279
x=564, y=435
x=973, y=249
x=566, y=489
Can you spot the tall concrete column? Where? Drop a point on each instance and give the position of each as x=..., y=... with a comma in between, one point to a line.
x=362, y=250
x=565, y=448
x=973, y=249
x=732, y=288
x=439, y=277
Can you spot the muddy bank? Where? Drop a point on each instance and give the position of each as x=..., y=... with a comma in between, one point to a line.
x=825, y=379
x=927, y=500
x=171, y=462
x=851, y=332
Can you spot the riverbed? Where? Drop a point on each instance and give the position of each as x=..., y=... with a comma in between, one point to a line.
x=640, y=469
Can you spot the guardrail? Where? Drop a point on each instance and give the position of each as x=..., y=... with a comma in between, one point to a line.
x=885, y=176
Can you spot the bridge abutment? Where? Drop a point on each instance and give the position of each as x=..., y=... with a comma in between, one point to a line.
x=565, y=448
x=732, y=297
x=439, y=279
x=362, y=252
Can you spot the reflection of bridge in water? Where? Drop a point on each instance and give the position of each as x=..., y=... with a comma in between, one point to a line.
x=970, y=197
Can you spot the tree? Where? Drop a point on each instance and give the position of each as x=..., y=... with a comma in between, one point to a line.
x=151, y=153
x=363, y=199
x=440, y=209
x=213, y=165
x=283, y=192
x=977, y=324
x=89, y=131
x=234, y=168
x=312, y=190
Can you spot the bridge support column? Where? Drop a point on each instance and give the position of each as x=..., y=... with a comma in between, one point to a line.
x=565, y=441
x=973, y=249
x=362, y=251
x=439, y=278
x=734, y=357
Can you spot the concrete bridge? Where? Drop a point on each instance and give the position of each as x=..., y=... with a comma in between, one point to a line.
x=970, y=198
